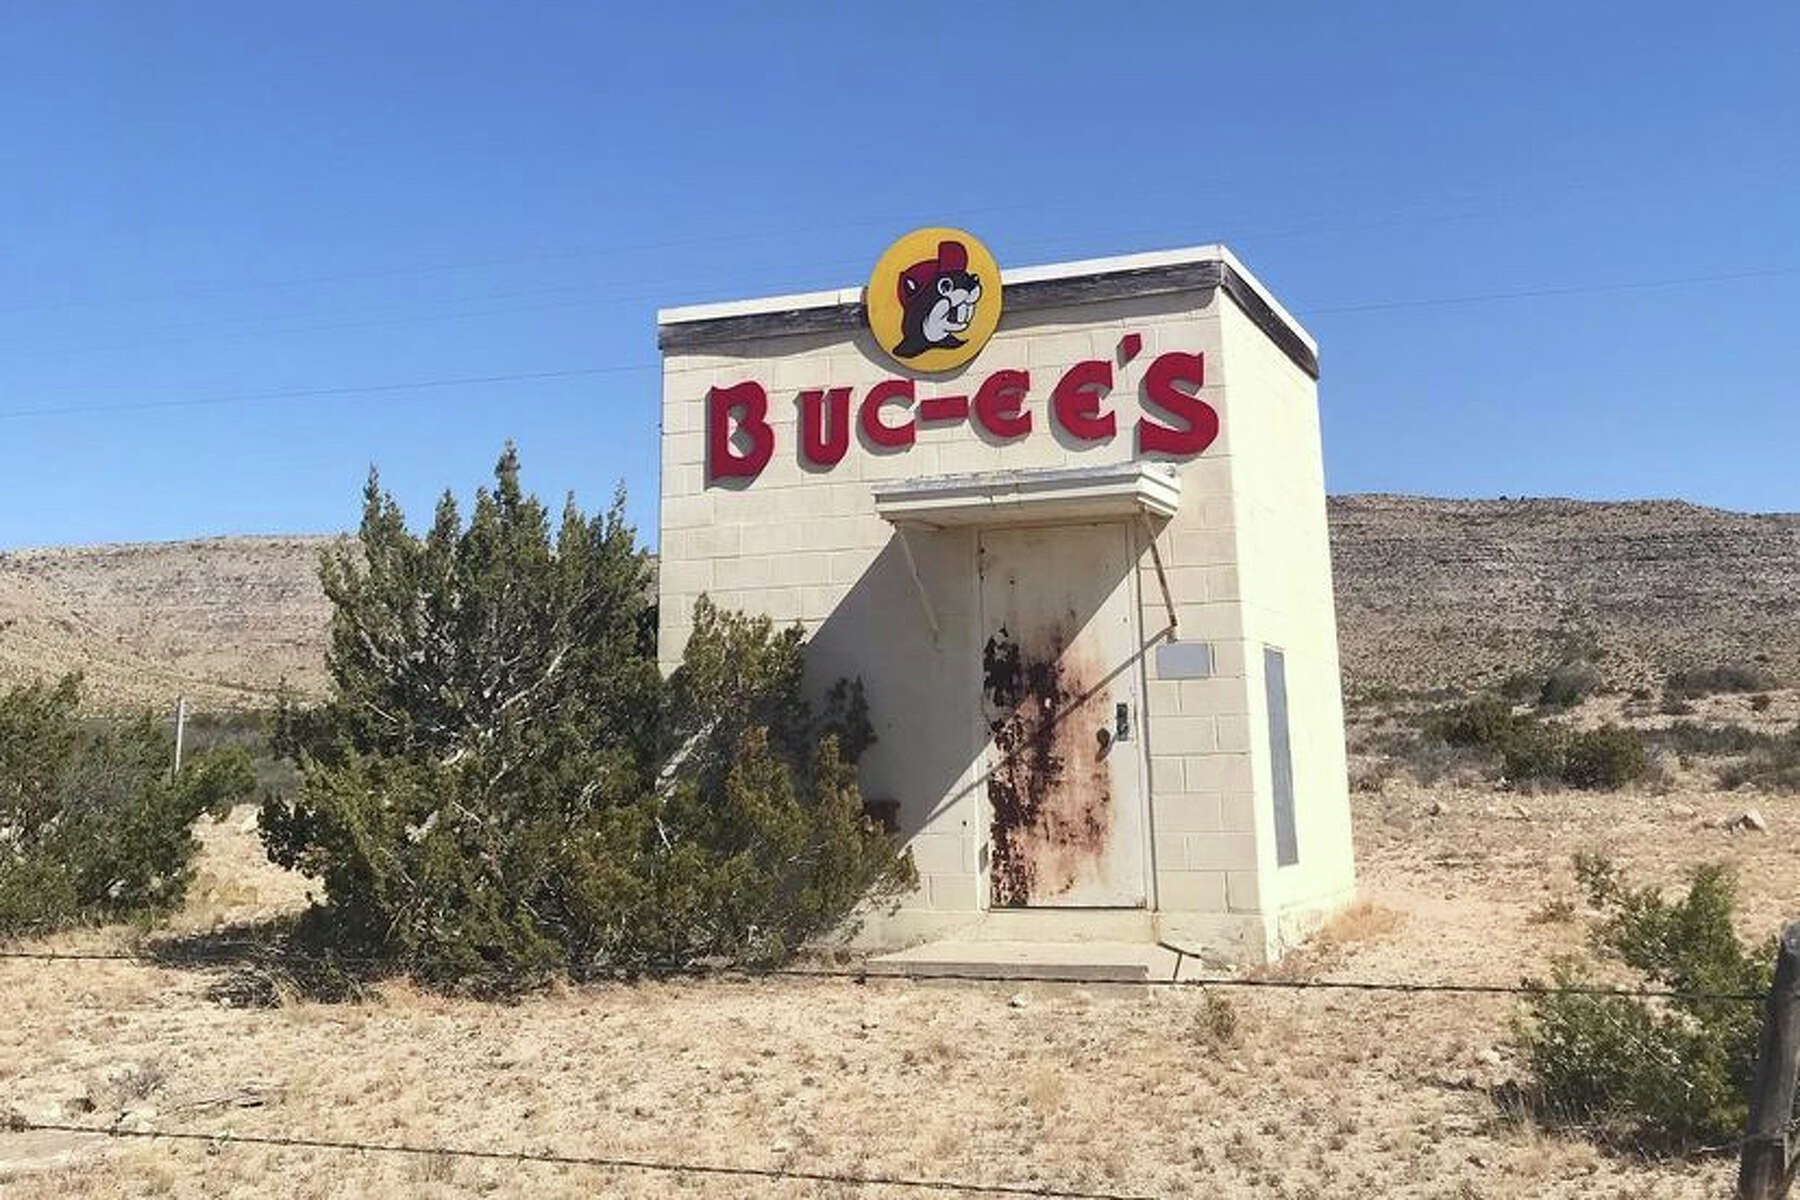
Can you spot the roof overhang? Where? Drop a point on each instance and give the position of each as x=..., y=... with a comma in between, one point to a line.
x=1046, y=497
x=695, y=328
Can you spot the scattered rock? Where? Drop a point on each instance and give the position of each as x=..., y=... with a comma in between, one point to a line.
x=1490, y=1057
x=871, y=1023
x=1020, y=1000
x=1521, y=812
x=1748, y=821
x=137, y=1120
x=1438, y=809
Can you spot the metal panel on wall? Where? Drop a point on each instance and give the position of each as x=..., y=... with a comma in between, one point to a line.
x=1281, y=758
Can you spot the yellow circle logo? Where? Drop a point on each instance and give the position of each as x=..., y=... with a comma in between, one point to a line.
x=934, y=299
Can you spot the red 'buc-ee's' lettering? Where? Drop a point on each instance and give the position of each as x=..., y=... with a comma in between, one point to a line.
x=1175, y=420
x=888, y=436
x=1199, y=421
x=750, y=403
x=1000, y=404
x=823, y=438
x=1076, y=400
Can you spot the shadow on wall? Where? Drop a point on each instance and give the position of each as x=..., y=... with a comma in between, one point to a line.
x=925, y=695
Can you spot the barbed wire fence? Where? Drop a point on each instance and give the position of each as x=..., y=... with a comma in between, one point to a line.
x=1769, y=1150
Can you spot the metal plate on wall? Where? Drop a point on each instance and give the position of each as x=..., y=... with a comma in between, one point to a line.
x=1184, y=660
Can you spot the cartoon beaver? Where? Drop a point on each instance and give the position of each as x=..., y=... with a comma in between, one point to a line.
x=938, y=297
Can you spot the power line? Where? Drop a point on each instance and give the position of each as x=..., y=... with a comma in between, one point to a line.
x=313, y=393
x=1497, y=194
x=579, y=1160
x=592, y=295
x=1533, y=293
x=218, y=955
x=620, y=368
x=566, y=254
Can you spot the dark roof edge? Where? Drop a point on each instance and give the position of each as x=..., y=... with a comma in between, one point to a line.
x=1023, y=297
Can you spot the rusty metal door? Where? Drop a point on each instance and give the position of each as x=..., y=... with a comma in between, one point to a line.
x=1060, y=688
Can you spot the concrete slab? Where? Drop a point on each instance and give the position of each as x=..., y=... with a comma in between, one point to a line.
x=1084, y=961
x=41, y=1150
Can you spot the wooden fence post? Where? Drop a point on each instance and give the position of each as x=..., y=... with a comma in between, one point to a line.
x=1767, y=1168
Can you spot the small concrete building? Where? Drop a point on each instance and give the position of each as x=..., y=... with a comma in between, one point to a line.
x=1067, y=524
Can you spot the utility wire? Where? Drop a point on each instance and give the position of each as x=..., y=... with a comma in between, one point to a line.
x=302, y=393
x=1533, y=293
x=218, y=955
x=621, y=368
x=1499, y=196
x=582, y=1160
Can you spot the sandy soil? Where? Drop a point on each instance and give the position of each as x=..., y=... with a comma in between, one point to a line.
x=1107, y=1089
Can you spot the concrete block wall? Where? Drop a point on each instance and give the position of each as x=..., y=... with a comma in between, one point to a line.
x=804, y=543
x=1287, y=603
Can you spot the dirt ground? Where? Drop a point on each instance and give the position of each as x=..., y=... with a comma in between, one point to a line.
x=1131, y=1091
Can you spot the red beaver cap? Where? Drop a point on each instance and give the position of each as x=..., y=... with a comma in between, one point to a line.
x=951, y=256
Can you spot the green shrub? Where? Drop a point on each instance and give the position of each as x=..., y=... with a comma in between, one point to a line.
x=501, y=786
x=1719, y=680
x=1484, y=723
x=248, y=730
x=92, y=826
x=1606, y=758
x=1525, y=749
x=1773, y=766
x=1689, y=739
x=1534, y=751
x=1568, y=685
x=1665, y=1076
x=1520, y=688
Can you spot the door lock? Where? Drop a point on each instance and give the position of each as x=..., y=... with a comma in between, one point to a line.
x=1121, y=722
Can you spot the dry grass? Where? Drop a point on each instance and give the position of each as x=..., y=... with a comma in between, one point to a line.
x=1152, y=1091
x=1363, y=921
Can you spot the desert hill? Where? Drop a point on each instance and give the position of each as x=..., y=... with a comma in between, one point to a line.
x=223, y=620
x=1434, y=592
x=1430, y=592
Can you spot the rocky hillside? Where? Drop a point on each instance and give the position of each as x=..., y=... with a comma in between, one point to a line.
x=1430, y=592
x=1434, y=592
x=222, y=620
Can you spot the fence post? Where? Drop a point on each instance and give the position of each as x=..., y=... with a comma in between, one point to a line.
x=180, y=732
x=1766, y=1169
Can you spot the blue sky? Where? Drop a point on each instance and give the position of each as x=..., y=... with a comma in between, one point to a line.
x=277, y=204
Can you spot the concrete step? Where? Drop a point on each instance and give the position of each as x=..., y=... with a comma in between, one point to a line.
x=1084, y=961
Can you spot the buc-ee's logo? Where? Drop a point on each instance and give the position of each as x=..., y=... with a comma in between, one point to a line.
x=934, y=299
x=933, y=303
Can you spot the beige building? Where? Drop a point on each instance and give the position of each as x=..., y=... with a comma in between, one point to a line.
x=1084, y=577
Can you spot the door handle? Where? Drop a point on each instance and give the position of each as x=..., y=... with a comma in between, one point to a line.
x=1122, y=722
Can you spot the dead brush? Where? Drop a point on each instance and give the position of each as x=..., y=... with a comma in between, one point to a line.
x=1216, y=1025
x=1045, y=1092
x=1363, y=921
x=1558, y=910
x=140, y=1080
x=435, y=1167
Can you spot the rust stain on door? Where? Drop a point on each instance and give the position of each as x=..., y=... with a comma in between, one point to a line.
x=1049, y=793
